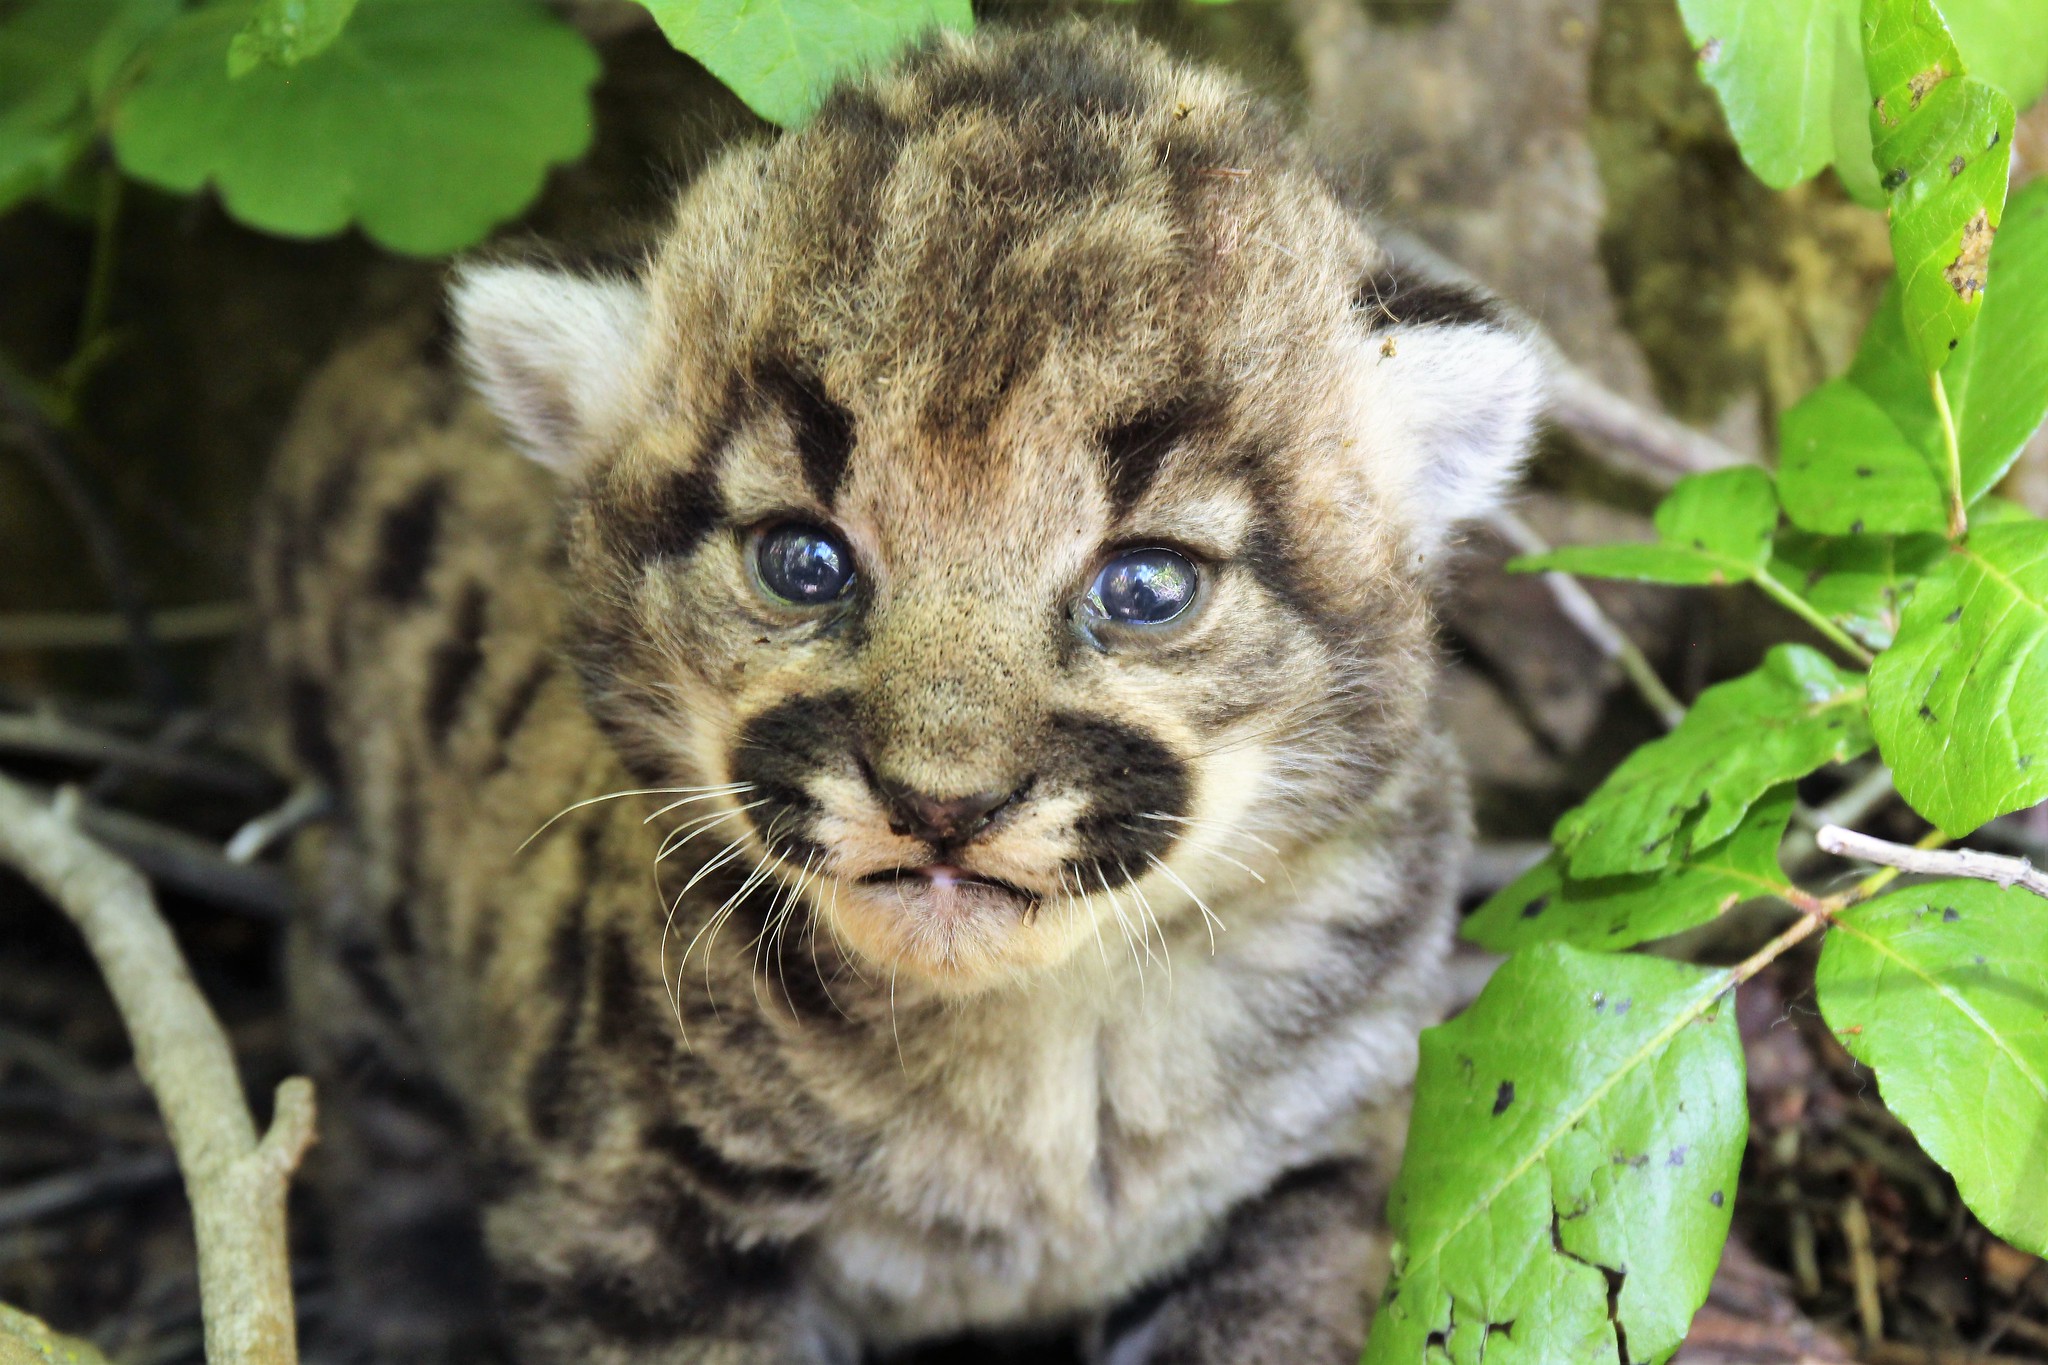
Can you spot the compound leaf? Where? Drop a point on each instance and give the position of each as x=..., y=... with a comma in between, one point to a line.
x=1960, y=701
x=1741, y=738
x=1942, y=990
x=1712, y=528
x=426, y=121
x=1575, y=1143
x=1547, y=904
x=781, y=56
x=1942, y=143
x=1858, y=582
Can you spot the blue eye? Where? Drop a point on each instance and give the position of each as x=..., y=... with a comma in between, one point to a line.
x=1143, y=588
x=804, y=565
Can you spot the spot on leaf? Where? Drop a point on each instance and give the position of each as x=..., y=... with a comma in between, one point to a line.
x=1965, y=274
x=1503, y=1097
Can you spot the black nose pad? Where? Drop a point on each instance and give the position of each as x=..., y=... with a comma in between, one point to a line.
x=942, y=820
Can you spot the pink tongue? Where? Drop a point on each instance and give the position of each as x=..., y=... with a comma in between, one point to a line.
x=942, y=875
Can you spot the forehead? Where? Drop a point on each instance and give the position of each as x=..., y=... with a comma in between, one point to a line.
x=1063, y=228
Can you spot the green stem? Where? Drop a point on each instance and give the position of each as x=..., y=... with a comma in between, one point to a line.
x=1958, y=516
x=91, y=346
x=1798, y=606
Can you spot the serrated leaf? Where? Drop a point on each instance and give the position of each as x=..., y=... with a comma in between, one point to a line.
x=1795, y=714
x=1942, y=990
x=1881, y=417
x=1580, y=1126
x=1858, y=582
x=1960, y=700
x=427, y=121
x=1547, y=904
x=287, y=32
x=1711, y=528
x=1942, y=144
x=782, y=56
x=53, y=55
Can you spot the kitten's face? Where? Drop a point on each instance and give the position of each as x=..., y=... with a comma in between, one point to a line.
x=1009, y=501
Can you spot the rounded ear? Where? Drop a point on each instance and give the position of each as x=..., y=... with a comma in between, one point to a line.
x=551, y=352
x=1449, y=389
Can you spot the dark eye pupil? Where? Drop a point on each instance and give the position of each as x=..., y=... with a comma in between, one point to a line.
x=804, y=565
x=1145, y=587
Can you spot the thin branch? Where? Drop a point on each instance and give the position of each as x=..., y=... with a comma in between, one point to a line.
x=306, y=805
x=45, y=734
x=45, y=630
x=87, y=1187
x=235, y=1180
x=1960, y=862
x=1596, y=625
x=1853, y=805
x=187, y=863
x=1655, y=443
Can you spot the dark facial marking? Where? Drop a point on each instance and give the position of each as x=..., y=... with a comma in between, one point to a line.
x=453, y=667
x=1391, y=298
x=1126, y=775
x=824, y=429
x=406, y=543
x=781, y=747
x=684, y=510
x=1135, y=449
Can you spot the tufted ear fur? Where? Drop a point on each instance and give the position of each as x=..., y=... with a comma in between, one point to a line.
x=1449, y=391
x=550, y=351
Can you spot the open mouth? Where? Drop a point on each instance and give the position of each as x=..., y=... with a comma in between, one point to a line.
x=941, y=875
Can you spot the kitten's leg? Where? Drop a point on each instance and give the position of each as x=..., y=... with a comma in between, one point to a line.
x=1289, y=1281
x=589, y=1282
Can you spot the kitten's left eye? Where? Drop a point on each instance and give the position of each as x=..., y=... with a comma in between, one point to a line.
x=804, y=565
x=1143, y=588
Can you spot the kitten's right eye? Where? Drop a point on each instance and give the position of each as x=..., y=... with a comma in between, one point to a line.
x=804, y=565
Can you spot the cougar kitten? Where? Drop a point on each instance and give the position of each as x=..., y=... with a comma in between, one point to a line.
x=913, y=809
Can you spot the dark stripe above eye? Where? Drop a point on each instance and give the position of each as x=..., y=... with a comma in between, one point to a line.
x=824, y=429
x=1136, y=448
x=1391, y=298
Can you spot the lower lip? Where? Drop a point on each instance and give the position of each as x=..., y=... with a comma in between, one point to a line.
x=952, y=879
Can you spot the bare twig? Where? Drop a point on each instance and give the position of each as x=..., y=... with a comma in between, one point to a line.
x=1596, y=625
x=1851, y=806
x=305, y=806
x=1960, y=862
x=235, y=1181
x=48, y=735
x=69, y=1191
x=45, y=630
x=187, y=863
x=1494, y=865
x=1658, y=445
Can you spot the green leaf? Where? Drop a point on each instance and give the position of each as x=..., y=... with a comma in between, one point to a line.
x=1943, y=150
x=2004, y=42
x=1881, y=417
x=26, y=1340
x=55, y=58
x=782, y=56
x=1712, y=528
x=1775, y=68
x=1576, y=1135
x=426, y=121
x=1942, y=990
x=1548, y=905
x=286, y=32
x=1741, y=738
x=1858, y=582
x=1960, y=701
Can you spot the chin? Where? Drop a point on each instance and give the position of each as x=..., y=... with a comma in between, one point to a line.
x=958, y=934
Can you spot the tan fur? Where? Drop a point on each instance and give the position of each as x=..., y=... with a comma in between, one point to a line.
x=723, y=1094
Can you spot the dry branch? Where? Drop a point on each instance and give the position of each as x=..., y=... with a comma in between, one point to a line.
x=1657, y=444
x=1958, y=862
x=235, y=1181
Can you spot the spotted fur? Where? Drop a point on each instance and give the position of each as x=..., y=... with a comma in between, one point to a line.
x=979, y=969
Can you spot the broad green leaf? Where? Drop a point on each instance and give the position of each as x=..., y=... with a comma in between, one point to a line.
x=1942, y=990
x=1858, y=582
x=1548, y=905
x=1712, y=528
x=426, y=121
x=1881, y=417
x=1942, y=143
x=1793, y=715
x=782, y=56
x=1576, y=1134
x=1774, y=67
x=1960, y=701
x=55, y=57
x=286, y=32
x=2004, y=42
